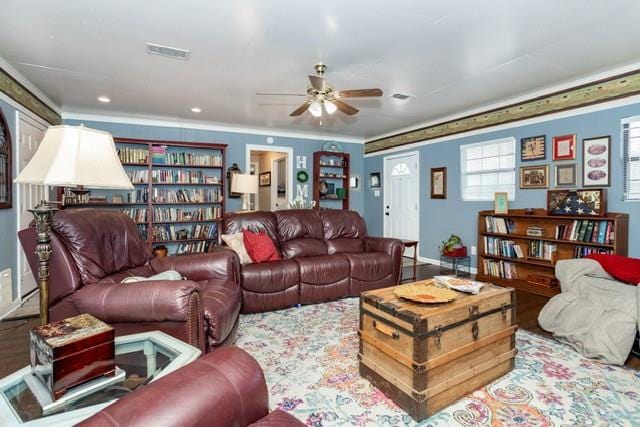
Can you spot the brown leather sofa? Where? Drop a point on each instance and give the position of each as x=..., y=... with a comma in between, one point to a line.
x=326, y=255
x=225, y=388
x=93, y=250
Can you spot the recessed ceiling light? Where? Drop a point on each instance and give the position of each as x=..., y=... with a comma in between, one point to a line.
x=196, y=109
x=104, y=99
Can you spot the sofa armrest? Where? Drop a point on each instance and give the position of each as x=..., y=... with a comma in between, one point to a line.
x=393, y=247
x=221, y=264
x=149, y=301
x=225, y=388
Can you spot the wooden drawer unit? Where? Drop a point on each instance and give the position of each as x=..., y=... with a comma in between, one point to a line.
x=427, y=356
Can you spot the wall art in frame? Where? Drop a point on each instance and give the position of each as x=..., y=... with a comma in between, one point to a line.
x=534, y=177
x=5, y=165
x=374, y=180
x=501, y=203
x=439, y=183
x=580, y=202
x=564, y=147
x=533, y=148
x=265, y=179
x=567, y=175
x=596, y=162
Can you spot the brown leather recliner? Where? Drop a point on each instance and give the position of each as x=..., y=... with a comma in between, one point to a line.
x=225, y=388
x=326, y=255
x=93, y=250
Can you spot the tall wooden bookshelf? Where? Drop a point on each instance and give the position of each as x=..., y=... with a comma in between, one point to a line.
x=565, y=247
x=332, y=168
x=178, y=198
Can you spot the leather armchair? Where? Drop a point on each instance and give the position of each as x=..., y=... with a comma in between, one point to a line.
x=225, y=388
x=93, y=250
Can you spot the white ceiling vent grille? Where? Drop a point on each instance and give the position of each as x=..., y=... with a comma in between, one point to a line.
x=170, y=52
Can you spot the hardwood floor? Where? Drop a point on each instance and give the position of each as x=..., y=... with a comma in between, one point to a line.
x=14, y=334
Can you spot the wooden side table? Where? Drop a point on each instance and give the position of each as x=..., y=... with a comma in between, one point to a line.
x=411, y=244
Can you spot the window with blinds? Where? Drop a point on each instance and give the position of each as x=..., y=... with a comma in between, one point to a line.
x=488, y=167
x=631, y=156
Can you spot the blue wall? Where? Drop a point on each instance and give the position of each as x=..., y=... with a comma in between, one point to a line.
x=8, y=248
x=236, y=148
x=441, y=218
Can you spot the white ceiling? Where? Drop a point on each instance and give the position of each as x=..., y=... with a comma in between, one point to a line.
x=452, y=55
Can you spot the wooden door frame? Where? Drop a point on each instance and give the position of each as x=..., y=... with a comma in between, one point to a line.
x=273, y=148
x=386, y=177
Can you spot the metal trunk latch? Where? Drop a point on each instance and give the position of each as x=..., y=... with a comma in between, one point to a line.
x=504, y=312
x=474, y=313
x=437, y=331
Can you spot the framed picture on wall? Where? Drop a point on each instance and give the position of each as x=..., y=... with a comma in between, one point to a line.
x=265, y=179
x=567, y=175
x=439, y=183
x=534, y=177
x=374, y=180
x=501, y=203
x=564, y=147
x=596, y=161
x=5, y=165
x=533, y=148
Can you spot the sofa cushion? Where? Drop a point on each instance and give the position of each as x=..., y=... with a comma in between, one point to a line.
x=259, y=246
x=236, y=242
x=300, y=233
x=343, y=231
x=252, y=221
x=273, y=276
x=369, y=270
x=323, y=278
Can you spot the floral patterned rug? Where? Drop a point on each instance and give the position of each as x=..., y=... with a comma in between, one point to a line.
x=309, y=356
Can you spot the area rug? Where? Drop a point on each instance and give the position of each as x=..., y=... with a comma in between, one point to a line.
x=309, y=356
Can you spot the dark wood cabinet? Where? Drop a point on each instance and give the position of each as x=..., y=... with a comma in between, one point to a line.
x=331, y=179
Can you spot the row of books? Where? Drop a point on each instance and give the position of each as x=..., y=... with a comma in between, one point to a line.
x=179, y=214
x=505, y=248
x=542, y=250
x=193, y=247
x=142, y=229
x=180, y=232
x=583, y=251
x=133, y=155
x=160, y=155
x=587, y=230
x=168, y=176
x=139, y=195
x=187, y=195
x=499, y=225
x=138, y=176
x=137, y=214
x=504, y=269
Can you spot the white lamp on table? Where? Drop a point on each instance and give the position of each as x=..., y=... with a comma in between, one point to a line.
x=68, y=156
x=245, y=184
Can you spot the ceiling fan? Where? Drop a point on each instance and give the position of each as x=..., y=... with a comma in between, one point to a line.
x=321, y=95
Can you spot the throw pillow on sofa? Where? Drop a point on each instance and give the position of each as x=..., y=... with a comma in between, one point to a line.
x=236, y=242
x=260, y=247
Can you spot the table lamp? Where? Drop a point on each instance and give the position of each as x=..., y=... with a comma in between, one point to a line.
x=68, y=156
x=245, y=184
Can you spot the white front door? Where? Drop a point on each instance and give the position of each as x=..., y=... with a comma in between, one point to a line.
x=401, y=196
x=30, y=134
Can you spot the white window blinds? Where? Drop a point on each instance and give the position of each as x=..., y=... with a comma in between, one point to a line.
x=631, y=157
x=488, y=167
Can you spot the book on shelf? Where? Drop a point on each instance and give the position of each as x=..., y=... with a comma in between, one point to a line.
x=187, y=195
x=535, y=231
x=137, y=214
x=543, y=250
x=192, y=159
x=133, y=155
x=193, y=247
x=499, y=268
x=583, y=251
x=168, y=232
x=181, y=214
x=501, y=247
x=499, y=225
x=158, y=154
x=587, y=230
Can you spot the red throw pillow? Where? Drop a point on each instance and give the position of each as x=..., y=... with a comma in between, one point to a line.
x=259, y=246
x=622, y=268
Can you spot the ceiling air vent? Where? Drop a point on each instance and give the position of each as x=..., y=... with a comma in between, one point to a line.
x=401, y=96
x=170, y=52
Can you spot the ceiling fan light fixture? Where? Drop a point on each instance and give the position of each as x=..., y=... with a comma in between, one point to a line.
x=330, y=107
x=315, y=109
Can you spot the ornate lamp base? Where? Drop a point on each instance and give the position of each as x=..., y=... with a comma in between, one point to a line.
x=43, y=214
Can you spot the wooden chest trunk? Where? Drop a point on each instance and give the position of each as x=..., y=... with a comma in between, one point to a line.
x=72, y=351
x=426, y=356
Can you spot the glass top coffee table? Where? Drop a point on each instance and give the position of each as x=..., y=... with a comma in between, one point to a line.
x=144, y=358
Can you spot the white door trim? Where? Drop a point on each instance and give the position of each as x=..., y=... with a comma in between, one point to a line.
x=385, y=179
x=277, y=149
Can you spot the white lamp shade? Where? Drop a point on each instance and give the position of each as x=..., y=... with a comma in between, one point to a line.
x=75, y=155
x=244, y=183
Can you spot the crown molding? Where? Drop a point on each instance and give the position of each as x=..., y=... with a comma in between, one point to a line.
x=202, y=125
x=603, y=87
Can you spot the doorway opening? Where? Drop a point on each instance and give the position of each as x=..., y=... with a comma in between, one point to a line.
x=274, y=168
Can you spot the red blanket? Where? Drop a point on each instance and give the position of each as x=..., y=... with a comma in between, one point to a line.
x=622, y=268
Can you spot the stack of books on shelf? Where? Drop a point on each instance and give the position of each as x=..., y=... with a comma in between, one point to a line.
x=503, y=269
x=133, y=155
x=158, y=153
x=583, y=251
x=193, y=247
x=171, y=232
x=505, y=248
x=140, y=195
x=191, y=159
x=499, y=225
x=168, y=176
x=137, y=214
x=543, y=250
x=587, y=230
x=180, y=214
x=187, y=195
x=138, y=176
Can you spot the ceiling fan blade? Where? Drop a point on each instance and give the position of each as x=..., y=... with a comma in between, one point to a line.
x=317, y=82
x=301, y=109
x=359, y=93
x=280, y=94
x=344, y=107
